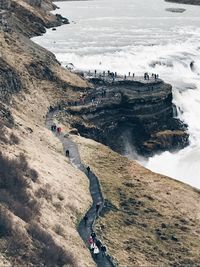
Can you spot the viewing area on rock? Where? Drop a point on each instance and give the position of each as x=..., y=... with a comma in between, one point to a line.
x=108, y=77
x=112, y=88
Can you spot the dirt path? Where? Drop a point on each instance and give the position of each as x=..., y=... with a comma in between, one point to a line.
x=95, y=190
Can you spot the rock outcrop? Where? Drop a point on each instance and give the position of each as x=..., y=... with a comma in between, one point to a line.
x=31, y=18
x=135, y=113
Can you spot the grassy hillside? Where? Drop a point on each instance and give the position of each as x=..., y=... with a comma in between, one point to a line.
x=42, y=196
x=150, y=220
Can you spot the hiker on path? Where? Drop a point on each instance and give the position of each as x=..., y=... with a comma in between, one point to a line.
x=88, y=170
x=53, y=127
x=90, y=240
x=103, y=250
x=96, y=252
x=98, y=207
x=93, y=235
x=59, y=130
x=67, y=153
x=85, y=218
x=92, y=246
x=99, y=244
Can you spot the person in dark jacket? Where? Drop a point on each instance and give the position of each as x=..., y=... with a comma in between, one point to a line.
x=103, y=250
x=88, y=170
x=98, y=243
x=85, y=218
x=93, y=235
x=67, y=153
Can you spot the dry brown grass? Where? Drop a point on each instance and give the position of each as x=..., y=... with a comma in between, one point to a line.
x=152, y=219
x=44, y=153
x=15, y=179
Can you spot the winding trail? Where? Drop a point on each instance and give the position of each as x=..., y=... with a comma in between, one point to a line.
x=95, y=190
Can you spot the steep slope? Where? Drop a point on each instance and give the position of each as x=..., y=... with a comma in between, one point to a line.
x=149, y=219
x=133, y=112
x=30, y=81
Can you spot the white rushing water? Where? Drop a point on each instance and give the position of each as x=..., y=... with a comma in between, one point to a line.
x=140, y=36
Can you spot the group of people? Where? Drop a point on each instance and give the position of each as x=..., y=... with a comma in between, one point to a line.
x=96, y=246
x=114, y=75
x=153, y=76
x=54, y=128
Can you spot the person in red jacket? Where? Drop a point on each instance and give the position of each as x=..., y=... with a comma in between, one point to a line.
x=59, y=130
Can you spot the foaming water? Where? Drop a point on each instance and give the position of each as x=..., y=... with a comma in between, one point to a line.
x=140, y=36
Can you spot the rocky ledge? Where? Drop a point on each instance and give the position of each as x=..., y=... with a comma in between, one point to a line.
x=130, y=113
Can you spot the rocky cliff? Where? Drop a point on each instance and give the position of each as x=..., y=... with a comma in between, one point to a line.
x=135, y=113
x=30, y=18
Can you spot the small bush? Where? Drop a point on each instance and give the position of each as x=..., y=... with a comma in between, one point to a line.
x=58, y=206
x=59, y=230
x=14, y=140
x=61, y=197
x=37, y=232
x=6, y=222
x=33, y=174
x=3, y=138
x=18, y=243
x=44, y=193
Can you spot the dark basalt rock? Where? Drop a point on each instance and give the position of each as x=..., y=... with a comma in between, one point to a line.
x=62, y=19
x=29, y=23
x=131, y=113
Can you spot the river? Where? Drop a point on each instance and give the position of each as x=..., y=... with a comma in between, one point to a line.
x=140, y=36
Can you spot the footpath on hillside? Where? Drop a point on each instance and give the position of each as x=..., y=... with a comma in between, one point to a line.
x=95, y=190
